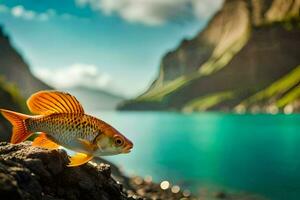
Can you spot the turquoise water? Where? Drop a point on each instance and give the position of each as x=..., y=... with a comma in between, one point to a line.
x=252, y=153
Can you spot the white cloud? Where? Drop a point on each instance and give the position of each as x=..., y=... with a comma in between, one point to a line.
x=17, y=11
x=74, y=75
x=154, y=12
x=21, y=12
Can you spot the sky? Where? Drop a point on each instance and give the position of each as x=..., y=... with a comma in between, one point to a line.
x=114, y=45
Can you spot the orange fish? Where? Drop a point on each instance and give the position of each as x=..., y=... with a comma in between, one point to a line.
x=61, y=121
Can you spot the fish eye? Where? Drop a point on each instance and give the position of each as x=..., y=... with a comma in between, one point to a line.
x=119, y=141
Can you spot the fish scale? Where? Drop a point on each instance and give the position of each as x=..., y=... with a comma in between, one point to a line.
x=64, y=127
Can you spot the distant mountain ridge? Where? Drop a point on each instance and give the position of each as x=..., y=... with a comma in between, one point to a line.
x=246, y=59
x=14, y=69
x=95, y=99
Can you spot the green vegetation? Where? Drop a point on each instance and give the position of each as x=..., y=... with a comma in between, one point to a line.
x=205, y=102
x=15, y=94
x=157, y=94
x=289, y=97
x=279, y=90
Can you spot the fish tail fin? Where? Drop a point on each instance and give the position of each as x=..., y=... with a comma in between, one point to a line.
x=20, y=132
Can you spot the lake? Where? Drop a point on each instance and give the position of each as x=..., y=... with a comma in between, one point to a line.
x=258, y=154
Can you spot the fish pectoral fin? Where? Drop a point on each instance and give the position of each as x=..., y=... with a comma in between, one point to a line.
x=79, y=159
x=43, y=141
x=89, y=146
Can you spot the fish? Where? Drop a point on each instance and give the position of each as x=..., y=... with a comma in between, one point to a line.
x=60, y=121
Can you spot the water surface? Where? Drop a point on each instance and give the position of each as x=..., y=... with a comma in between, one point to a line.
x=253, y=153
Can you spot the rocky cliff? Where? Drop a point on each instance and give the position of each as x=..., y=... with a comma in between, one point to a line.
x=13, y=69
x=246, y=59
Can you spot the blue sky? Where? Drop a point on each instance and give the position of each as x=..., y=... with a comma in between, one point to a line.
x=112, y=44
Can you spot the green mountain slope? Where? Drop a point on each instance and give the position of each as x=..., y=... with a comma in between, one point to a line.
x=281, y=94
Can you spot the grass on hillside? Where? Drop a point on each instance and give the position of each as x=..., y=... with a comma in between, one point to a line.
x=15, y=94
x=205, y=102
x=277, y=89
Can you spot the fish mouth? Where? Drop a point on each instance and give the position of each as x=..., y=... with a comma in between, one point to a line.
x=127, y=149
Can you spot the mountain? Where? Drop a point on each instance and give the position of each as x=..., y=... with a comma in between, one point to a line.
x=247, y=59
x=13, y=69
x=16, y=83
x=95, y=99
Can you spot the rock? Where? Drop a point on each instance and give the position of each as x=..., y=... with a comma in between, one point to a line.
x=28, y=172
x=150, y=190
x=220, y=195
x=35, y=173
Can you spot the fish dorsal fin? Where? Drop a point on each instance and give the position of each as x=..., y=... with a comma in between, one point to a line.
x=49, y=102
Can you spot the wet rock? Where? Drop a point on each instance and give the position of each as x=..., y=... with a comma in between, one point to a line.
x=220, y=195
x=28, y=172
x=150, y=190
